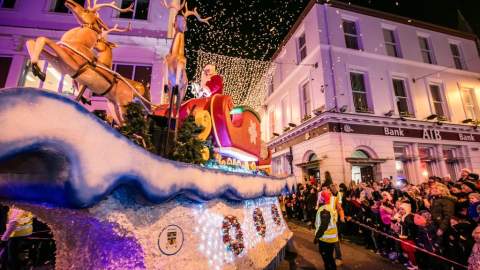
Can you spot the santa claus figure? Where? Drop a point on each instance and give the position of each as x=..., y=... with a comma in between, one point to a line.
x=211, y=83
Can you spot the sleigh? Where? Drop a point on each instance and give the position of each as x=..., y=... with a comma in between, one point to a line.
x=235, y=130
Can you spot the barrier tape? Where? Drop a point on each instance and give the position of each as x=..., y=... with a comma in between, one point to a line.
x=409, y=244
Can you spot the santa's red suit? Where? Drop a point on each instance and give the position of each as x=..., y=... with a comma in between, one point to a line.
x=215, y=84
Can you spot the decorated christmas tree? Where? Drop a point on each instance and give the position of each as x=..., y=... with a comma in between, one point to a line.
x=188, y=148
x=136, y=126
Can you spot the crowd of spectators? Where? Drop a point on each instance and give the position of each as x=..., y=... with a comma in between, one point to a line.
x=410, y=224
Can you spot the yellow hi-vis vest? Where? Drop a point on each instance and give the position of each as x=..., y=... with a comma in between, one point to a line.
x=24, y=220
x=330, y=235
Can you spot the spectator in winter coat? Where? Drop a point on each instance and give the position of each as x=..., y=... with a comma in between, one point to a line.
x=464, y=175
x=425, y=238
x=474, y=206
x=442, y=207
x=407, y=234
x=474, y=259
x=458, y=240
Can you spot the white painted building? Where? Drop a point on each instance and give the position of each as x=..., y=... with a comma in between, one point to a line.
x=366, y=94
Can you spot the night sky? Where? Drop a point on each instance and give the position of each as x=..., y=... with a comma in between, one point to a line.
x=254, y=29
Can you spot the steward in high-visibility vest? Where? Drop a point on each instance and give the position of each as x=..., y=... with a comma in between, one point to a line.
x=19, y=227
x=326, y=234
x=23, y=222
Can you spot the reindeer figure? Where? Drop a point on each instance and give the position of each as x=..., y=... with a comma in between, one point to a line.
x=175, y=61
x=175, y=78
x=122, y=95
x=73, y=55
x=81, y=39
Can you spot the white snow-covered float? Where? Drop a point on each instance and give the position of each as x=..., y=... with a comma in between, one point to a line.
x=112, y=205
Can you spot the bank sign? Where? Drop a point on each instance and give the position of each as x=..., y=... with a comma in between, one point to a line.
x=425, y=133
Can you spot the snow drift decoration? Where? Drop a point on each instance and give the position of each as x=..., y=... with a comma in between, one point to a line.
x=112, y=205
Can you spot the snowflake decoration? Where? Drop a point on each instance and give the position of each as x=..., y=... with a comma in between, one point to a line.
x=252, y=131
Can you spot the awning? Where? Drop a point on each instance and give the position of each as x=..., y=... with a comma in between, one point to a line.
x=354, y=160
x=309, y=164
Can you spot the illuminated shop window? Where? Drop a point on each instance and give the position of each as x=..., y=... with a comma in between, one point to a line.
x=403, y=159
x=54, y=81
x=140, y=11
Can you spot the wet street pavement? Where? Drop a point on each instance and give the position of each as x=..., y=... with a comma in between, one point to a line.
x=354, y=256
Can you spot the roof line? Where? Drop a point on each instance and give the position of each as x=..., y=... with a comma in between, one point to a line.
x=294, y=28
x=372, y=13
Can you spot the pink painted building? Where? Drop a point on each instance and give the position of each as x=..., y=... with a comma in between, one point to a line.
x=366, y=94
x=139, y=55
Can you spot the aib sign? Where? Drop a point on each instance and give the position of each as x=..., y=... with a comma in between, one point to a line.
x=170, y=240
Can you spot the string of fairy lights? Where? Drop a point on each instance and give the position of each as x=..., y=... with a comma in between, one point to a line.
x=245, y=80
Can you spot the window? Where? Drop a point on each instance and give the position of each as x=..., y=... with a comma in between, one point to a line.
x=469, y=104
x=401, y=96
x=457, y=56
x=391, y=45
x=438, y=101
x=285, y=112
x=140, y=11
x=7, y=3
x=59, y=6
x=270, y=86
x=359, y=91
x=302, y=48
x=306, y=103
x=351, y=35
x=271, y=121
x=427, y=52
x=454, y=160
x=136, y=72
x=280, y=166
x=5, y=63
x=54, y=81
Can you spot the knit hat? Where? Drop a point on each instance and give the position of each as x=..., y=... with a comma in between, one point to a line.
x=471, y=185
x=325, y=196
x=473, y=177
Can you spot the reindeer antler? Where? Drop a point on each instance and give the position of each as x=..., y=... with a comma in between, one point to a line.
x=96, y=6
x=174, y=6
x=116, y=29
x=194, y=12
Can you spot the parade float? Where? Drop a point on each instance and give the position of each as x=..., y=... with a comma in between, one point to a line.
x=113, y=205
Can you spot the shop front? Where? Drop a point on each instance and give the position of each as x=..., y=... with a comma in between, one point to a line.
x=365, y=151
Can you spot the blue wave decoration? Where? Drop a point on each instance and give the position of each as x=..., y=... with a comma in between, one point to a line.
x=54, y=151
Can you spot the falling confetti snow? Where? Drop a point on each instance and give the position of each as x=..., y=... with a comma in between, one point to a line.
x=250, y=29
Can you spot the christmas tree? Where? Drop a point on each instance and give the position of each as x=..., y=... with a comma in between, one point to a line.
x=188, y=148
x=136, y=126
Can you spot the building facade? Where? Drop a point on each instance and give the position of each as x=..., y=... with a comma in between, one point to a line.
x=366, y=95
x=139, y=54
